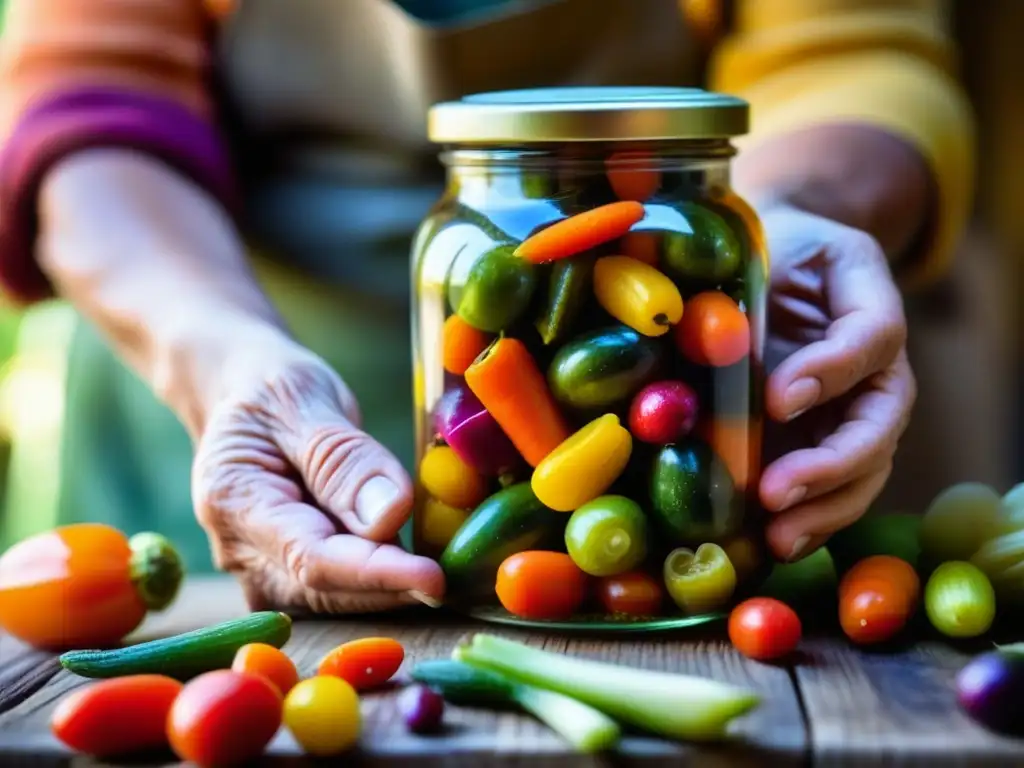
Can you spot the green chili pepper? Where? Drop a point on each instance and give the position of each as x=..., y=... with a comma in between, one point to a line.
x=568, y=288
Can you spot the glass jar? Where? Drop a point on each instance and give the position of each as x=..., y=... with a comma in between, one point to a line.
x=588, y=331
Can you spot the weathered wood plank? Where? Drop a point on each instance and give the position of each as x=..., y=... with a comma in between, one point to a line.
x=893, y=708
x=474, y=737
x=22, y=671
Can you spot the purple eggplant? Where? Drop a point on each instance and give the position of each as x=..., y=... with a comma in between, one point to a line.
x=991, y=688
x=469, y=430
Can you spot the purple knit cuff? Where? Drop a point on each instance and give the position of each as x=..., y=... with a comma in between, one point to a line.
x=85, y=119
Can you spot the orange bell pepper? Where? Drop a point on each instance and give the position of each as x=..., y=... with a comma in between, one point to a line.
x=85, y=585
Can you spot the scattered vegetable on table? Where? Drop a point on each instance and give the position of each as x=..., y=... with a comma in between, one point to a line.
x=764, y=629
x=268, y=661
x=186, y=655
x=671, y=705
x=959, y=600
x=422, y=709
x=877, y=598
x=585, y=728
x=116, y=717
x=366, y=663
x=322, y=714
x=224, y=718
x=84, y=585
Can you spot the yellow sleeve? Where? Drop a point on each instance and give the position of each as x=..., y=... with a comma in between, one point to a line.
x=890, y=63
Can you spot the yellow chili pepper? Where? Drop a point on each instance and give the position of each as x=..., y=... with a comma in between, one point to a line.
x=637, y=294
x=439, y=522
x=448, y=478
x=584, y=466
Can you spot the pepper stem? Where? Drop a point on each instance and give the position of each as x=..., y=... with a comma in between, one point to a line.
x=156, y=569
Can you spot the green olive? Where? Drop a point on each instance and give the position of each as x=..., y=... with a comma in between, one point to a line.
x=701, y=581
x=607, y=536
x=959, y=600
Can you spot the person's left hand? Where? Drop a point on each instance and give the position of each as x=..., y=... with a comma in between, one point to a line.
x=840, y=389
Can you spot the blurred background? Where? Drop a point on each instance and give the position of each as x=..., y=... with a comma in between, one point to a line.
x=971, y=348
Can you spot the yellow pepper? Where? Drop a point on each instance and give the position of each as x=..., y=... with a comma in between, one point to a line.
x=584, y=466
x=637, y=294
x=438, y=523
x=448, y=478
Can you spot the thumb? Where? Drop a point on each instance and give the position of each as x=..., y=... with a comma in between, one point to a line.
x=349, y=474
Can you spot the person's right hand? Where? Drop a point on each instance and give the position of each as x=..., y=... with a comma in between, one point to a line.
x=299, y=503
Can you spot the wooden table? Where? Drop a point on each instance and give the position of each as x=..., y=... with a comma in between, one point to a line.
x=832, y=706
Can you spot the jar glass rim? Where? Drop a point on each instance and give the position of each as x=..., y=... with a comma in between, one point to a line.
x=546, y=115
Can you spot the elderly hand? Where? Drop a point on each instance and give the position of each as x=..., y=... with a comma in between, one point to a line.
x=298, y=502
x=840, y=389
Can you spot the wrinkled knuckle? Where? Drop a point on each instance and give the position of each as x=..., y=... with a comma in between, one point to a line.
x=305, y=565
x=333, y=456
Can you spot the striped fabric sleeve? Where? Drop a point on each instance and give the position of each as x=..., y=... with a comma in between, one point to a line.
x=93, y=118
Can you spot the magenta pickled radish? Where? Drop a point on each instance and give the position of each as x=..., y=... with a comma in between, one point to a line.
x=469, y=430
x=663, y=412
x=422, y=709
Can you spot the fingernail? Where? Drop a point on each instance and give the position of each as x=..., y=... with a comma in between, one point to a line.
x=794, y=497
x=801, y=395
x=424, y=598
x=798, y=548
x=374, y=498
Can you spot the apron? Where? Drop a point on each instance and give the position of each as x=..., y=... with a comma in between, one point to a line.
x=327, y=104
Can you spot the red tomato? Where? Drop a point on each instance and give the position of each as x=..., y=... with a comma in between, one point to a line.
x=663, y=412
x=365, y=663
x=224, y=718
x=714, y=331
x=763, y=628
x=633, y=594
x=877, y=597
x=119, y=716
x=541, y=585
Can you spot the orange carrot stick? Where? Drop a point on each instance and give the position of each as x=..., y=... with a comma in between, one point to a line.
x=580, y=232
x=462, y=343
x=507, y=382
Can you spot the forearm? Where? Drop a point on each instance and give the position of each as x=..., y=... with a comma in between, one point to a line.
x=858, y=175
x=154, y=262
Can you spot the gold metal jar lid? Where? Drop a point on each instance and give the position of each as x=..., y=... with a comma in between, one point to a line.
x=546, y=115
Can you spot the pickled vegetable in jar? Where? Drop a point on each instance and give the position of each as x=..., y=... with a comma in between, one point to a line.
x=588, y=324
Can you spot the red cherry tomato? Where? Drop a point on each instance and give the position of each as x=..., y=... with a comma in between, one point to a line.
x=663, y=412
x=365, y=663
x=765, y=629
x=224, y=718
x=119, y=716
x=541, y=585
x=877, y=597
x=632, y=594
x=714, y=331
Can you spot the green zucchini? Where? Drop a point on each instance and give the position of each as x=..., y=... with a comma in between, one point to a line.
x=510, y=521
x=603, y=368
x=183, y=656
